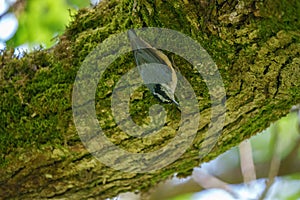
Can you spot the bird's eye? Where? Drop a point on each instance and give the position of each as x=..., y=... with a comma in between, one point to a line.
x=160, y=93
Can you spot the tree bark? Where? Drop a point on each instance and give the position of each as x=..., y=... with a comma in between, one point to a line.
x=255, y=44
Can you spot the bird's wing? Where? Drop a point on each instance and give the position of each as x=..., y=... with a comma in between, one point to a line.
x=155, y=73
x=152, y=63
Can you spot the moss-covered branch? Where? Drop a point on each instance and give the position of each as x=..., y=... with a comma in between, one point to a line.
x=255, y=44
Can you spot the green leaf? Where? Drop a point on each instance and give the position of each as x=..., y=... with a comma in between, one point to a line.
x=79, y=3
x=40, y=23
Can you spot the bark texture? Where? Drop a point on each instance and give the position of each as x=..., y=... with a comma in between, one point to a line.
x=255, y=44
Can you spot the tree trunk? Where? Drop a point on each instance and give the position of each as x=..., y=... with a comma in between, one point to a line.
x=255, y=44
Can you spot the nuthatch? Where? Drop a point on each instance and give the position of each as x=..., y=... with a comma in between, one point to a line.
x=155, y=69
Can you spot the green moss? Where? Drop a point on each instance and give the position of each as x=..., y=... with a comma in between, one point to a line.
x=36, y=90
x=279, y=15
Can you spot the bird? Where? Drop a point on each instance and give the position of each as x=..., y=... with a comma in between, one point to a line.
x=155, y=69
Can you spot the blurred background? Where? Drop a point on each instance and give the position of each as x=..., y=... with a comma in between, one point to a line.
x=29, y=24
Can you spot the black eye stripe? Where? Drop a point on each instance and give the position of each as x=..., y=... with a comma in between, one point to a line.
x=160, y=93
